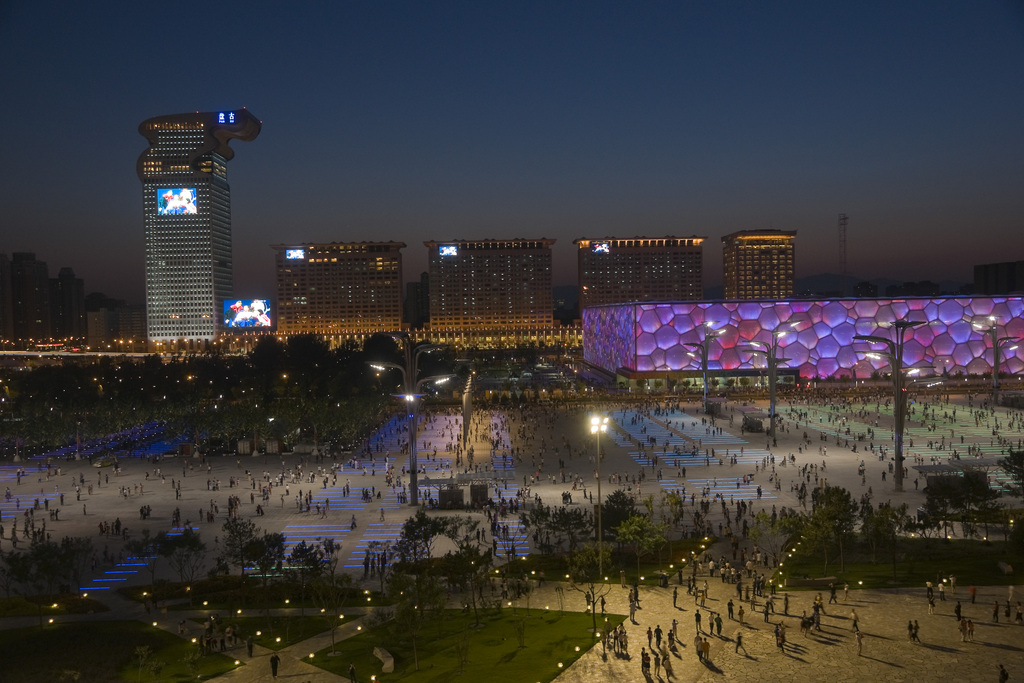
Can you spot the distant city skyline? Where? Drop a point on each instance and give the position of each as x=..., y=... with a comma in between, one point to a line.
x=442, y=121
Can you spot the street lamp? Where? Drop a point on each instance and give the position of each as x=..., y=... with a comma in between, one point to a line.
x=997, y=342
x=895, y=357
x=598, y=426
x=703, y=348
x=410, y=370
x=770, y=353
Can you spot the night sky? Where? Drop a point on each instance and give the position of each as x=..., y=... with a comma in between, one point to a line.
x=439, y=120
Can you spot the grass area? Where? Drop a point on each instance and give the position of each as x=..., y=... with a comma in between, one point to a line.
x=918, y=560
x=99, y=651
x=673, y=556
x=491, y=651
x=278, y=631
x=18, y=606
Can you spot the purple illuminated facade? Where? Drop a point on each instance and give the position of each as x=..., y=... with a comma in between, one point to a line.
x=653, y=337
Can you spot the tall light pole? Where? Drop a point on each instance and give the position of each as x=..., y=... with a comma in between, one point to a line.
x=895, y=357
x=598, y=426
x=703, y=348
x=997, y=342
x=770, y=353
x=410, y=371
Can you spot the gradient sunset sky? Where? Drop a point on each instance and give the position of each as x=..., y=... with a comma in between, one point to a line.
x=412, y=121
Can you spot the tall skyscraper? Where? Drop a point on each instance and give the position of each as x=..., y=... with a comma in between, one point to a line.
x=67, y=305
x=186, y=205
x=30, y=298
x=615, y=270
x=6, y=306
x=339, y=289
x=759, y=264
x=490, y=284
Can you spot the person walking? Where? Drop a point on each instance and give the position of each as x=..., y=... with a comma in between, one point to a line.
x=706, y=645
x=697, y=647
x=275, y=661
x=860, y=643
x=248, y=646
x=657, y=636
x=995, y=612
x=675, y=597
x=351, y=672
x=730, y=606
x=696, y=619
x=718, y=624
x=853, y=617
x=739, y=643
x=1004, y=675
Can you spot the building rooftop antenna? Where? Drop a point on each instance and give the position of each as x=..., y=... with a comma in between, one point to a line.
x=843, y=276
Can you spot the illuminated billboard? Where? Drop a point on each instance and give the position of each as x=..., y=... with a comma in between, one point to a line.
x=295, y=253
x=448, y=250
x=602, y=248
x=174, y=201
x=247, y=313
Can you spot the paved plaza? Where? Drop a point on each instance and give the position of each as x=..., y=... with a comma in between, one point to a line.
x=648, y=449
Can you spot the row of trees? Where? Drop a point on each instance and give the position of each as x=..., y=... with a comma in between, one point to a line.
x=281, y=389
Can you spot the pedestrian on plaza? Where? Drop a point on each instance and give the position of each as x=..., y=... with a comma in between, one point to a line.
x=675, y=597
x=853, y=617
x=650, y=636
x=718, y=624
x=667, y=661
x=973, y=591
x=696, y=619
x=741, y=614
x=917, y=627
x=248, y=646
x=931, y=606
x=942, y=591
x=275, y=661
x=352, y=673
x=785, y=603
x=910, y=630
x=697, y=647
x=846, y=592
x=657, y=664
x=730, y=605
x=995, y=612
x=970, y=630
x=860, y=643
x=706, y=645
x=1004, y=675
x=832, y=593
x=739, y=643
x=657, y=636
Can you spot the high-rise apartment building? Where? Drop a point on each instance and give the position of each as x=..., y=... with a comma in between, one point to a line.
x=999, y=278
x=67, y=305
x=490, y=284
x=30, y=298
x=339, y=289
x=759, y=264
x=615, y=270
x=186, y=205
x=6, y=306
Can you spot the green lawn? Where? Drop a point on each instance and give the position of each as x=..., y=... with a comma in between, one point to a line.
x=17, y=606
x=492, y=650
x=98, y=651
x=918, y=560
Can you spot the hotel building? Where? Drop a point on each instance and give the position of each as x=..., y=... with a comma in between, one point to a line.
x=615, y=270
x=759, y=264
x=186, y=206
x=339, y=290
